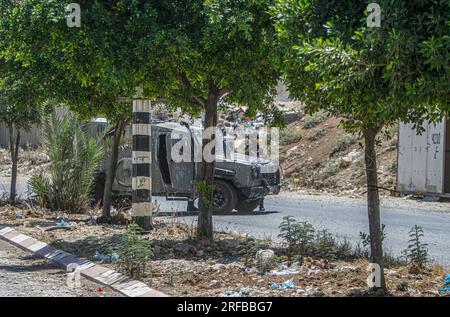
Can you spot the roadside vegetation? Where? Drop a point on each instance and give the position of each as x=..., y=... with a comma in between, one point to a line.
x=202, y=55
x=310, y=121
x=134, y=252
x=310, y=261
x=289, y=136
x=67, y=183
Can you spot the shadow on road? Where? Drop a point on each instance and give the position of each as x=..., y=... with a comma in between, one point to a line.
x=28, y=268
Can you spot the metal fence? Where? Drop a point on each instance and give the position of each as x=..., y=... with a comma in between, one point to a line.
x=28, y=139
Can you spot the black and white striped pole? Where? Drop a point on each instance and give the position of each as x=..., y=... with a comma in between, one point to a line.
x=142, y=159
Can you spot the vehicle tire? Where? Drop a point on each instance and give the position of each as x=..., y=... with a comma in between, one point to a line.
x=225, y=197
x=248, y=206
x=191, y=206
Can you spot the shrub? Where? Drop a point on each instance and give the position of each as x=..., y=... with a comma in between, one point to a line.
x=332, y=167
x=4, y=199
x=417, y=251
x=325, y=246
x=366, y=237
x=290, y=136
x=134, y=252
x=68, y=181
x=249, y=247
x=287, y=233
x=311, y=121
x=344, y=250
x=266, y=265
x=393, y=166
x=317, y=134
x=298, y=236
x=344, y=141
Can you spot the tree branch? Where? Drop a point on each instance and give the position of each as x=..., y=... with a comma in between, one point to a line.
x=223, y=92
x=187, y=85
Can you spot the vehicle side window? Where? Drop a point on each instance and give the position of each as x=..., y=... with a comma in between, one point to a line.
x=162, y=159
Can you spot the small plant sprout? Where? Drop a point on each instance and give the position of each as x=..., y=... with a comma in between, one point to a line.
x=417, y=251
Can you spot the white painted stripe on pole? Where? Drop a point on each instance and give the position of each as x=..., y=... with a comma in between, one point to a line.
x=142, y=209
x=142, y=129
x=140, y=157
x=141, y=182
x=140, y=105
x=143, y=159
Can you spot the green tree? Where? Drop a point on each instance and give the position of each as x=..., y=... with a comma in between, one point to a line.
x=370, y=77
x=85, y=68
x=191, y=53
x=211, y=52
x=20, y=105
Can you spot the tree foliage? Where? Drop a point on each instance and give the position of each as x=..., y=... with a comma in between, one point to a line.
x=77, y=66
x=200, y=45
x=20, y=108
x=210, y=53
x=371, y=77
x=87, y=68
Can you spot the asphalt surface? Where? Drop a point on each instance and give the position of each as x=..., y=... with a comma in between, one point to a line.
x=344, y=217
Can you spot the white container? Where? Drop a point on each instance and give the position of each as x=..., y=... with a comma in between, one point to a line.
x=424, y=160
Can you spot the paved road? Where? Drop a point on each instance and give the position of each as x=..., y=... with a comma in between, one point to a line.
x=344, y=217
x=22, y=275
x=22, y=187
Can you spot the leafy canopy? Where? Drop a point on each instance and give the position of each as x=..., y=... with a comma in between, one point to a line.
x=85, y=68
x=20, y=101
x=370, y=76
x=204, y=47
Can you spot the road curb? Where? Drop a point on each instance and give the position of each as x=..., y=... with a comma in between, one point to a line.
x=94, y=272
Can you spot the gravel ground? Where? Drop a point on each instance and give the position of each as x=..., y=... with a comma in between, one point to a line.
x=23, y=275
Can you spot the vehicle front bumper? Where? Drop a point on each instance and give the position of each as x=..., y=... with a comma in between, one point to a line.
x=260, y=191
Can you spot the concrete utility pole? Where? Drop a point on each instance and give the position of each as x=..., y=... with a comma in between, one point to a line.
x=142, y=159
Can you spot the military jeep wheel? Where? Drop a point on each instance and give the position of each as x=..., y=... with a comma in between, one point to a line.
x=225, y=197
x=248, y=206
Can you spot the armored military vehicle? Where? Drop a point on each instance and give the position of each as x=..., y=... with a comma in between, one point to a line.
x=241, y=181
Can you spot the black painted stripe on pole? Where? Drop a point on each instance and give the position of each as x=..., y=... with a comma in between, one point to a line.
x=141, y=195
x=141, y=170
x=141, y=118
x=141, y=143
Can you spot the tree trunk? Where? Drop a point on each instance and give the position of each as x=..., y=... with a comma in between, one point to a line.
x=111, y=172
x=373, y=203
x=14, y=151
x=205, y=225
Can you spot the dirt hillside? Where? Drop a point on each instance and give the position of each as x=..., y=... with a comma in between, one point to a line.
x=317, y=154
